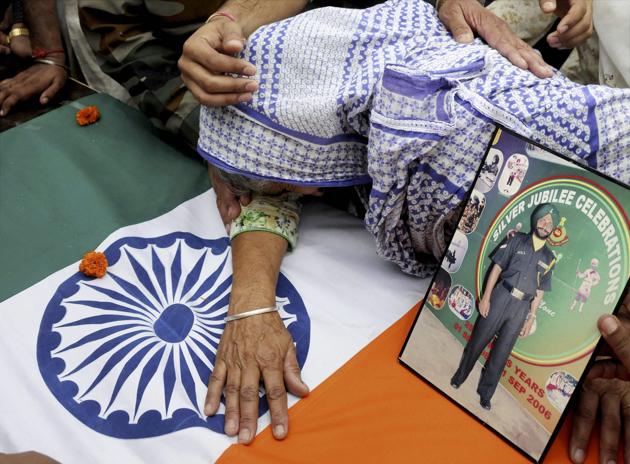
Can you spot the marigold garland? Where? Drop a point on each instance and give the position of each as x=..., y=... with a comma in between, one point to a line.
x=87, y=115
x=94, y=264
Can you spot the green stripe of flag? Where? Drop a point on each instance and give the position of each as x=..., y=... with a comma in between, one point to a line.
x=65, y=188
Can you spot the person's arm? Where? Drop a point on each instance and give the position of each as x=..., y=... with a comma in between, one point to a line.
x=40, y=79
x=464, y=18
x=208, y=54
x=493, y=278
x=576, y=25
x=606, y=394
x=256, y=346
x=252, y=14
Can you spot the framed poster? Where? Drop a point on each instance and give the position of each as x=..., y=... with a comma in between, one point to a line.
x=508, y=326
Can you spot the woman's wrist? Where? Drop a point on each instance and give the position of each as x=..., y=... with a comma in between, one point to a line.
x=249, y=301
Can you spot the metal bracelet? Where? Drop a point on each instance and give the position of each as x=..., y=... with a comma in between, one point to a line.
x=253, y=312
x=50, y=62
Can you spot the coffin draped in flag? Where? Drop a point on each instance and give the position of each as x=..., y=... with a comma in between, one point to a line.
x=116, y=368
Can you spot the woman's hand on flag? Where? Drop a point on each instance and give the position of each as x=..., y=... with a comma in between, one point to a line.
x=254, y=349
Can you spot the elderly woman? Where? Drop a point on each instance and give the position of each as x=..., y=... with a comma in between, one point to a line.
x=382, y=98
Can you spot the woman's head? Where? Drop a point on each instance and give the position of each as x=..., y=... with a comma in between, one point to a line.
x=243, y=185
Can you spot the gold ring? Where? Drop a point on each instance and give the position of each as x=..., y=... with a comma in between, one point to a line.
x=16, y=32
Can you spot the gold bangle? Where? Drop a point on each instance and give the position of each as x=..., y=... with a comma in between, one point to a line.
x=16, y=32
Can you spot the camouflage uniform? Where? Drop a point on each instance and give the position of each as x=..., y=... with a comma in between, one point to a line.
x=129, y=49
x=137, y=44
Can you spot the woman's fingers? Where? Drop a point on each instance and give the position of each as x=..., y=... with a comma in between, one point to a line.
x=248, y=398
x=232, y=390
x=215, y=388
x=272, y=372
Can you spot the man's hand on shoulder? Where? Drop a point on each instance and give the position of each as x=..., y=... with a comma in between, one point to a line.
x=464, y=18
x=207, y=64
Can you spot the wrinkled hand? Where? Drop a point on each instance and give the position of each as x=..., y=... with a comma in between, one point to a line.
x=605, y=394
x=484, y=307
x=250, y=348
x=616, y=333
x=466, y=17
x=43, y=79
x=229, y=205
x=576, y=25
x=206, y=60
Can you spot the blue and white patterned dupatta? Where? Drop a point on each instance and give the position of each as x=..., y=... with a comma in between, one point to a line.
x=386, y=95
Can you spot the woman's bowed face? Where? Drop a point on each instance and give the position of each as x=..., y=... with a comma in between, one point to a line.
x=275, y=188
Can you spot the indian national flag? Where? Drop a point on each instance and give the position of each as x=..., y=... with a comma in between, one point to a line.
x=115, y=369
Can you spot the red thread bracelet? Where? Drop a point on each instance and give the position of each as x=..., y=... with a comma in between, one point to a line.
x=43, y=53
x=221, y=13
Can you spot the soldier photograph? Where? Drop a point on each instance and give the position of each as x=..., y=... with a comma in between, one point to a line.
x=519, y=277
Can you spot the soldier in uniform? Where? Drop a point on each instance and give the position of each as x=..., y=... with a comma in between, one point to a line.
x=519, y=277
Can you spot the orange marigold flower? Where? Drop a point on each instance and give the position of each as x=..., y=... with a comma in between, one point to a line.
x=94, y=264
x=88, y=115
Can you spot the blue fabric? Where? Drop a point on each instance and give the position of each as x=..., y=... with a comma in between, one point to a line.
x=387, y=92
